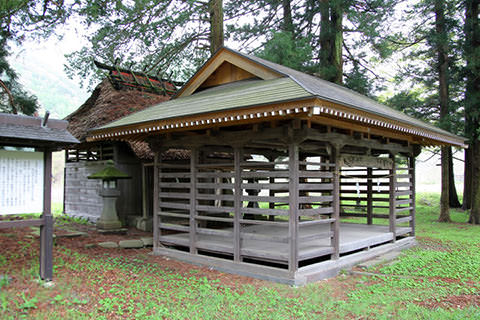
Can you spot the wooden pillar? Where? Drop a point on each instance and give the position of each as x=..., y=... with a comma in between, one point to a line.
x=46, y=230
x=412, y=195
x=369, y=195
x=193, y=200
x=392, y=199
x=155, y=211
x=335, y=226
x=238, y=154
x=293, y=167
x=144, y=193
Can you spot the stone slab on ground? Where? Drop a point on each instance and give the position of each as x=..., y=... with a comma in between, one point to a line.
x=113, y=231
x=387, y=257
x=130, y=244
x=73, y=234
x=147, y=241
x=108, y=244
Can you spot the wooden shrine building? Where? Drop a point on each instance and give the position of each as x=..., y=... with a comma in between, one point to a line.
x=303, y=160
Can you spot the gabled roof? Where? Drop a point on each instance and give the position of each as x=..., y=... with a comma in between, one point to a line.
x=260, y=90
x=20, y=130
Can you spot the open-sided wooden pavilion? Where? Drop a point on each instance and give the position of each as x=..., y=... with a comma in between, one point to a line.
x=299, y=154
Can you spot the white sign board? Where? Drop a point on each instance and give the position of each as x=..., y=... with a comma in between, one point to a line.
x=21, y=182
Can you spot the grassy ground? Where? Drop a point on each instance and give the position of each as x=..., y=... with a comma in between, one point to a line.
x=439, y=279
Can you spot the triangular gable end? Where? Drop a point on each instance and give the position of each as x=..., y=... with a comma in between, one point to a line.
x=223, y=67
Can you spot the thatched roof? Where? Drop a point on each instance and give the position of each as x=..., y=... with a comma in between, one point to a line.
x=107, y=104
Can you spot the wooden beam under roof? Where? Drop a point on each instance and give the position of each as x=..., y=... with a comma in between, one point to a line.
x=247, y=137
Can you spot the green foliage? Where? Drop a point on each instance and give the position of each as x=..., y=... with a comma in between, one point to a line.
x=13, y=98
x=356, y=36
x=414, y=104
x=20, y=20
x=169, y=38
x=28, y=303
x=419, y=46
x=285, y=49
x=358, y=81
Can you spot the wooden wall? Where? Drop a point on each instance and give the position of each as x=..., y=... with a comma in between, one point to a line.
x=81, y=194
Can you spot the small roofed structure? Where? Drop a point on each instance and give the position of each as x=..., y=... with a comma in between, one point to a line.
x=319, y=154
x=122, y=92
x=43, y=135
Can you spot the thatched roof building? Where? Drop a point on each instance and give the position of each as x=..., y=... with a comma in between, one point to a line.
x=120, y=94
x=107, y=104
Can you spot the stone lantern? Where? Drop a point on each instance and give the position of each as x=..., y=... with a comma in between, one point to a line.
x=109, y=175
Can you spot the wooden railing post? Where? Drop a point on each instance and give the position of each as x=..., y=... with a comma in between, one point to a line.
x=193, y=200
x=335, y=226
x=369, y=195
x=392, y=199
x=46, y=230
x=238, y=154
x=412, y=196
x=293, y=167
x=156, y=191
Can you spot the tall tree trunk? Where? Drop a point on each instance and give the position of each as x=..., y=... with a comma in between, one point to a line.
x=444, y=206
x=475, y=211
x=467, y=179
x=442, y=69
x=452, y=189
x=215, y=8
x=472, y=99
x=331, y=40
x=287, y=17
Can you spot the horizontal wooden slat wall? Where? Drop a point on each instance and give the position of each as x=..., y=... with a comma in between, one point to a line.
x=276, y=209
x=174, y=202
x=373, y=195
x=316, y=206
x=404, y=196
x=264, y=193
x=364, y=193
x=214, y=203
x=205, y=209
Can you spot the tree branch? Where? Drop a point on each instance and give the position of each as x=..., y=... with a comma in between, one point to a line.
x=10, y=97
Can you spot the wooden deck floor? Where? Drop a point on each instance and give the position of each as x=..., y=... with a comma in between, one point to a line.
x=352, y=237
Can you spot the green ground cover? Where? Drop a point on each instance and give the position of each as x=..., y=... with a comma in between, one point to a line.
x=438, y=279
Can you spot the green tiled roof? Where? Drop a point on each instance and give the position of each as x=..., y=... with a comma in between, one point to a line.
x=234, y=95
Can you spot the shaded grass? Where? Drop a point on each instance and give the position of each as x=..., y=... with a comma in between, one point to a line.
x=446, y=264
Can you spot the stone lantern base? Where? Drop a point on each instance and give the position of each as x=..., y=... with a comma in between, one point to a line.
x=108, y=220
